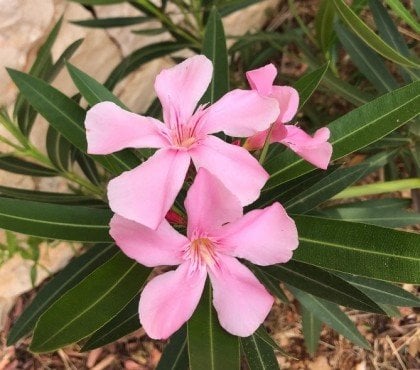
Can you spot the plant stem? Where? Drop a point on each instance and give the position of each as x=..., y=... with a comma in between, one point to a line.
x=264, y=151
x=378, y=188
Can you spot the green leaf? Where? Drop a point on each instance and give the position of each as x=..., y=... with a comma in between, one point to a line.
x=381, y=291
x=67, y=117
x=55, y=221
x=90, y=304
x=111, y=22
x=139, y=57
x=386, y=27
x=367, y=212
x=49, y=197
x=235, y=5
x=123, y=323
x=334, y=183
x=388, y=31
x=72, y=274
x=311, y=328
x=307, y=84
x=58, y=149
x=175, y=353
x=214, y=48
x=98, y=2
x=22, y=167
x=324, y=189
x=150, y=31
x=353, y=131
x=368, y=62
x=22, y=111
x=324, y=25
x=361, y=249
x=210, y=346
x=270, y=283
x=331, y=314
x=371, y=38
x=55, y=69
x=88, y=167
x=404, y=14
x=321, y=283
x=91, y=90
x=259, y=355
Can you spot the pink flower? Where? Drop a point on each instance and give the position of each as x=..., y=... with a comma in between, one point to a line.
x=146, y=193
x=316, y=150
x=217, y=232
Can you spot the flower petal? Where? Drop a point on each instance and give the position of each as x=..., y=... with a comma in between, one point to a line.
x=170, y=299
x=110, y=128
x=180, y=88
x=163, y=246
x=288, y=99
x=263, y=236
x=240, y=113
x=241, y=301
x=238, y=170
x=257, y=141
x=316, y=150
x=146, y=193
x=209, y=204
x=262, y=79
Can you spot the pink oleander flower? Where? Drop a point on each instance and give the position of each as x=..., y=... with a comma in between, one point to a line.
x=217, y=233
x=146, y=193
x=316, y=150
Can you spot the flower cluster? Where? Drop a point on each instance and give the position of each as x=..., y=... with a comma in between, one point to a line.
x=228, y=178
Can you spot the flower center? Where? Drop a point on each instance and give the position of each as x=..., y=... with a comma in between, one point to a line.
x=186, y=134
x=182, y=136
x=200, y=252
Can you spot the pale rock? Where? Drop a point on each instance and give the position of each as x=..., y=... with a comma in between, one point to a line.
x=23, y=24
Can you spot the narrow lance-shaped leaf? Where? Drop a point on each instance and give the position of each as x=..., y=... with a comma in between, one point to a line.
x=311, y=328
x=49, y=197
x=388, y=31
x=90, y=304
x=210, y=346
x=72, y=274
x=91, y=90
x=111, y=22
x=404, y=14
x=371, y=38
x=307, y=84
x=175, y=353
x=123, y=323
x=354, y=131
x=22, y=111
x=88, y=167
x=55, y=221
x=58, y=149
x=369, y=63
x=16, y=165
x=331, y=314
x=382, y=291
x=214, y=48
x=334, y=183
x=324, y=25
x=370, y=214
x=361, y=249
x=67, y=117
x=139, y=57
x=259, y=355
x=321, y=283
